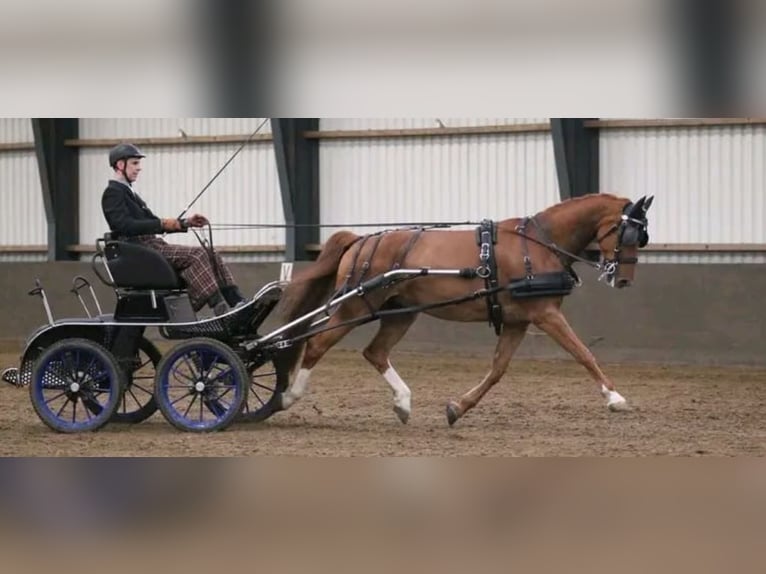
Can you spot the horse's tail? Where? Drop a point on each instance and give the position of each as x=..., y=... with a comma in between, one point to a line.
x=309, y=289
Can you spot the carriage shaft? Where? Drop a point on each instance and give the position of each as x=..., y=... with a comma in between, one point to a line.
x=375, y=283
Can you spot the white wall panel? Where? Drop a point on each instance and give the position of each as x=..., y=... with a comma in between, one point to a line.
x=126, y=128
x=22, y=219
x=435, y=179
x=412, y=123
x=709, y=183
x=702, y=257
x=16, y=130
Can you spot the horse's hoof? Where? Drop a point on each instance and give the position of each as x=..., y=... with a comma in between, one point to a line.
x=453, y=413
x=619, y=407
x=278, y=405
x=403, y=414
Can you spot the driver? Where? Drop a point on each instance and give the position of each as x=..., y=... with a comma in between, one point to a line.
x=130, y=218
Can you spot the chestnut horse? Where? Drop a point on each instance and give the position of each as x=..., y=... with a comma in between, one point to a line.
x=550, y=240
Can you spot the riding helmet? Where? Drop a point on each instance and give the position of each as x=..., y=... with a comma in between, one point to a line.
x=124, y=151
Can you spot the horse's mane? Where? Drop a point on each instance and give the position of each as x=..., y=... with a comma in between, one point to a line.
x=568, y=203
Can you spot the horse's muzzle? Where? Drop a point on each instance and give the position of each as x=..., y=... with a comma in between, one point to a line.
x=622, y=283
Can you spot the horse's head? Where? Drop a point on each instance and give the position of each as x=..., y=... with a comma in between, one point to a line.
x=619, y=239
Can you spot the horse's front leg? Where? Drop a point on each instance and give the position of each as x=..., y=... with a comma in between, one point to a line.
x=553, y=322
x=392, y=329
x=507, y=343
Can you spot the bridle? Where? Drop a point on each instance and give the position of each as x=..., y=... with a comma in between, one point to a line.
x=631, y=232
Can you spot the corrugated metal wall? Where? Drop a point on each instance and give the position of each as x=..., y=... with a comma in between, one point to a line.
x=247, y=191
x=110, y=128
x=439, y=179
x=708, y=183
x=414, y=123
x=21, y=199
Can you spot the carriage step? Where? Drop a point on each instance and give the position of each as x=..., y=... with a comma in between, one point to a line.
x=11, y=376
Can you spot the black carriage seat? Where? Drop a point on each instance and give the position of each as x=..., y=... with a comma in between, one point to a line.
x=135, y=266
x=148, y=288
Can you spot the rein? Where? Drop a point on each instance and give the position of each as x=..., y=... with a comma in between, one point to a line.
x=552, y=246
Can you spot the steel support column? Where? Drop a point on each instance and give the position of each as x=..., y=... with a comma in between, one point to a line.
x=60, y=178
x=298, y=169
x=576, y=151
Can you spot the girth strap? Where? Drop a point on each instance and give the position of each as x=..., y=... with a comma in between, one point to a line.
x=486, y=238
x=408, y=247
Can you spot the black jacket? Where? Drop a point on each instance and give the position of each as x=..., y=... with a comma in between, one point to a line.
x=126, y=213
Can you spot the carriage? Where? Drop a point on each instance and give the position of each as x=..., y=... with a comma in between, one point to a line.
x=85, y=372
x=82, y=373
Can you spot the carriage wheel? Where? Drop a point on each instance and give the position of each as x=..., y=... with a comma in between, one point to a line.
x=201, y=385
x=76, y=386
x=138, y=403
x=268, y=380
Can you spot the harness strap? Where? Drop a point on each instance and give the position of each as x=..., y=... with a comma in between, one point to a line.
x=360, y=246
x=408, y=247
x=486, y=236
x=528, y=273
x=366, y=265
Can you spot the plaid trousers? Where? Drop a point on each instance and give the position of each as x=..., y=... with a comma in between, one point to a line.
x=194, y=266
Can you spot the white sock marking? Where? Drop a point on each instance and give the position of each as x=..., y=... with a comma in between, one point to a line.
x=612, y=397
x=297, y=389
x=402, y=393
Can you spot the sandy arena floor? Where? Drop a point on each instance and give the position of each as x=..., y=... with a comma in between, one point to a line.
x=541, y=408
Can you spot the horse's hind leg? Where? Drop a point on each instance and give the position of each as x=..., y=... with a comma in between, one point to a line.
x=392, y=329
x=507, y=343
x=554, y=323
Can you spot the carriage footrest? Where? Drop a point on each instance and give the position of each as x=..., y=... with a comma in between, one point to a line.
x=244, y=320
x=542, y=285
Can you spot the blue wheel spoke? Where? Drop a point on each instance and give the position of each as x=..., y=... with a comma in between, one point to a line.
x=91, y=403
x=180, y=375
x=61, y=410
x=86, y=370
x=226, y=391
x=192, y=368
x=219, y=375
x=95, y=378
x=67, y=365
x=50, y=400
x=188, y=394
x=87, y=410
x=191, y=404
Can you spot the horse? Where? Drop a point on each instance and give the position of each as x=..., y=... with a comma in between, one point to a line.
x=543, y=246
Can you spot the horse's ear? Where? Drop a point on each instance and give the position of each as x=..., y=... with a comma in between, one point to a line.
x=638, y=208
x=648, y=203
